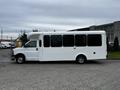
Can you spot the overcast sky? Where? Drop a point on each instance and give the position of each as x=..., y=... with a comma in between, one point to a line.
x=45, y=15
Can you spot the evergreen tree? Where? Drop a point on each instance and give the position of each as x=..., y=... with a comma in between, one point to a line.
x=23, y=38
x=116, y=43
x=108, y=46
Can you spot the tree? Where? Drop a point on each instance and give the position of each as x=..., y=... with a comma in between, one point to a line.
x=116, y=43
x=108, y=46
x=23, y=38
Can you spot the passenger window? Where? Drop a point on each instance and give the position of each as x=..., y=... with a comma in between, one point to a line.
x=94, y=40
x=56, y=40
x=40, y=43
x=68, y=40
x=80, y=40
x=31, y=44
x=46, y=41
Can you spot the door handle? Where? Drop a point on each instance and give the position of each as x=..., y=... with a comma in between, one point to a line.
x=36, y=49
x=74, y=48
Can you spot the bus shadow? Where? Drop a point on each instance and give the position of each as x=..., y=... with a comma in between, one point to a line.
x=95, y=62
x=64, y=62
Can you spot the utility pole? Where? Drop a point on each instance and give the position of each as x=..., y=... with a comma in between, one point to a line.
x=7, y=37
x=11, y=44
x=1, y=34
x=11, y=39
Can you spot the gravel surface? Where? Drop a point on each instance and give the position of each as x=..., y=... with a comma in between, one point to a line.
x=94, y=75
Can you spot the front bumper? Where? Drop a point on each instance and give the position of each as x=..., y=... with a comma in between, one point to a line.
x=12, y=57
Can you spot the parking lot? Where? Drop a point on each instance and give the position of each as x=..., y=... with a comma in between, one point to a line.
x=94, y=75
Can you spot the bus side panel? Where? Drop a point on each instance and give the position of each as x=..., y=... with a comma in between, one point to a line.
x=58, y=53
x=98, y=52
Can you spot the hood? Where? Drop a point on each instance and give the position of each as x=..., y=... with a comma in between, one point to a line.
x=18, y=48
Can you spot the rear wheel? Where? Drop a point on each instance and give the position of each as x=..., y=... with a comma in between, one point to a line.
x=20, y=59
x=81, y=59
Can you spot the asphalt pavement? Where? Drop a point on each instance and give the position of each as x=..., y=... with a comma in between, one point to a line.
x=94, y=75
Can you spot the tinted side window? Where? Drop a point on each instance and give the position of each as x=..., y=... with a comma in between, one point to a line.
x=68, y=40
x=94, y=40
x=56, y=40
x=46, y=41
x=40, y=43
x=80, y=40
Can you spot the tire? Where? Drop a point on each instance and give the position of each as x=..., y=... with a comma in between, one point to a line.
x=20, y=59
x=81, y=59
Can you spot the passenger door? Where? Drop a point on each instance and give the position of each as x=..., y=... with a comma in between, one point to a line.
x=31, y=50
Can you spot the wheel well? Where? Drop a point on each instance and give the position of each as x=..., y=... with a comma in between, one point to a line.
x=81, y=55
x=19, y=54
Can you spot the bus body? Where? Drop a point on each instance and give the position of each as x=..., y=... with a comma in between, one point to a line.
x=63, y=46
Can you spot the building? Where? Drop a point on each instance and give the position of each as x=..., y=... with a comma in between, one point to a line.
x=112, y=30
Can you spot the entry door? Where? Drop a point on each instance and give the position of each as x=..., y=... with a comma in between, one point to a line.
x=31, y=50
x=40, y=49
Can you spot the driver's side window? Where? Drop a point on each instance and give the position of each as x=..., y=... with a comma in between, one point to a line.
x=31, y=44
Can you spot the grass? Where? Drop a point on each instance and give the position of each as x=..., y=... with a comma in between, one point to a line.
x=114, y=55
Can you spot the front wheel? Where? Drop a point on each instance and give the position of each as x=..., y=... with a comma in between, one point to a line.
x=81, y=59
x=20, y=59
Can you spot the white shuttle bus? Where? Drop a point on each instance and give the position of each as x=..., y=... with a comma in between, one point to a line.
x=77, y=46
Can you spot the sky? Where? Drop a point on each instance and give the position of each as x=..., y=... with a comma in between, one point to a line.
x=50, y=15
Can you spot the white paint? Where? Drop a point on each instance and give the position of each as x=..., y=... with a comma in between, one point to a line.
x=62, y=53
